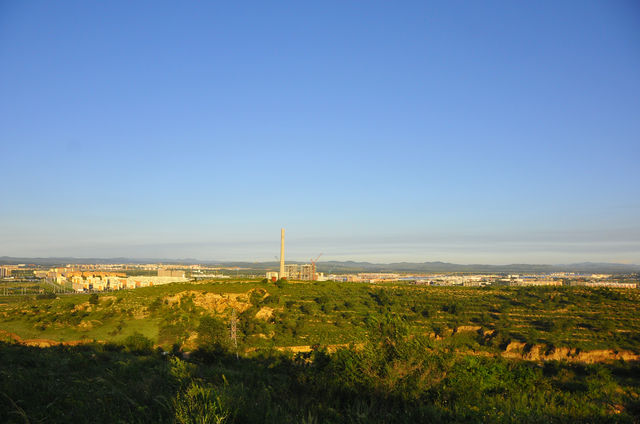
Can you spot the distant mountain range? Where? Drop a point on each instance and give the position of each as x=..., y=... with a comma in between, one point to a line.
x=349, y=266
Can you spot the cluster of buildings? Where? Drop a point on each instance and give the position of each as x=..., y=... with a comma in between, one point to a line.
x=98, y=283
x=5, y=271
x=610, y=284
x=568, y=279
x=365, y=277
x=479, y=280
x=300, y=272
x=174, y=273
x=84, y=280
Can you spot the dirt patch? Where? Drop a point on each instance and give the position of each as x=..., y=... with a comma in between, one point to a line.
x=468, y=329
x=606, y=355
x=85, y=325
x=213, y=301
x=263, y=336
x=264, y=313
x=516, y=350
x=514, y=347
x=81, y=306
x=307, y=348
x=191, y=342
x=13, y=337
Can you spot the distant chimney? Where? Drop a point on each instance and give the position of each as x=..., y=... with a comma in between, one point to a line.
x=281, y=274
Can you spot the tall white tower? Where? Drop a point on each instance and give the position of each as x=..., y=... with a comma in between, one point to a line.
x=281, y=274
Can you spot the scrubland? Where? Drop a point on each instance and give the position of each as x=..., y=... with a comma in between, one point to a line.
x=318, y=352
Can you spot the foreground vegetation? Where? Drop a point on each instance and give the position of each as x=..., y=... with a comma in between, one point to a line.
x=390, y=379
x=382, y=354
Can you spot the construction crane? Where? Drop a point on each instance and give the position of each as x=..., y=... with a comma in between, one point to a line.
x=313, y=265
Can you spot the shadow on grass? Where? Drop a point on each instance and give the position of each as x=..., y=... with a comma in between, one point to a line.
x=386, y=383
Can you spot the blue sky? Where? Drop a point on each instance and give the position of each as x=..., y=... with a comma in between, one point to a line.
x=470, y=132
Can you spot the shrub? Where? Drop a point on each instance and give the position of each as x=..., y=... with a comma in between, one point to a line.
x=544, y=325
x=155, y=305
x=182, y=371
x=94, y=299
x=199, y=404
x=256, y=298
x=138, y=343
x=307, y=309
x=321, y=300
x=213, y=334
x=271, y=300
x=382, y=298
x=451, y=308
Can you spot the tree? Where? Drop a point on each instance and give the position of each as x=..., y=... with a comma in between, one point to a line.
x=94, y=299
x=213, y=334
x=138, y=343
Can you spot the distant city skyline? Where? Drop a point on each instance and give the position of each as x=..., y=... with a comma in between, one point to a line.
x=494, y=132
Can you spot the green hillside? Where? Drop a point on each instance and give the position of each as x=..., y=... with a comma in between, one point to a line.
x=317, y=352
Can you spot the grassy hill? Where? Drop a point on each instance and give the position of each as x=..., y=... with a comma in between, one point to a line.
x=328, y=313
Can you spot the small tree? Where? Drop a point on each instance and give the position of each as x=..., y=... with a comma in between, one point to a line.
x=213, y=334
x=138, y=343
x=94, y=299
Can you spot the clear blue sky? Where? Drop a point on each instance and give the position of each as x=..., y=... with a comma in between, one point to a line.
x=470, y=132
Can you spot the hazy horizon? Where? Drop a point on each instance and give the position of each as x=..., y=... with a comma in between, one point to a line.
x=472, y=133
x=394, y=249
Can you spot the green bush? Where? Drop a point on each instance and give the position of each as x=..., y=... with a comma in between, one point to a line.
x=138, y=343
x=213, y=334
x=199, y=404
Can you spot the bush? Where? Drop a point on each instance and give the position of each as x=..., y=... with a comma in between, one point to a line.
x=308, y=309
x=213, y=334
x=155, y=305
x=321, y=300
x=94, y=299
x=382, y=298
x=256, y=298
x=199, y=404
x=273, y=299
x=451, y=308
x=138, y=343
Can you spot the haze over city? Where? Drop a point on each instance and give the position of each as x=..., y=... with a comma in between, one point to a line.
x=490, y=133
